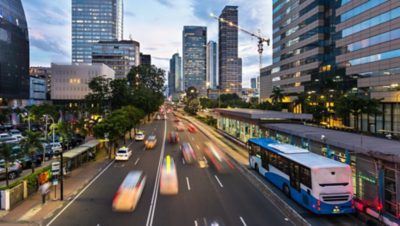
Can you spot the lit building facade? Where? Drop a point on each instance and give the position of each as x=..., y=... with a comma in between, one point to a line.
x=121, y=56
x=194, y=58
x=368, y=49
x=70, y=81
x=303, y=47
x=229, y=65
x=212, y=65
x=93, y=21
x=14, y=52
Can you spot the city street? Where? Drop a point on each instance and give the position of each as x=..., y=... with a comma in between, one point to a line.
x=204, y=195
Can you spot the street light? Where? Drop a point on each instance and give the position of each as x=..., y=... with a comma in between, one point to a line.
x=46, y=118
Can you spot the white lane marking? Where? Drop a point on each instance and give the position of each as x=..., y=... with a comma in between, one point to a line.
x=153, y=203
x=80, y=193
x=136, y=162
x=195, y=223
x=187, y=182
x=286, y=219
x=219, y=182
x=242, y=220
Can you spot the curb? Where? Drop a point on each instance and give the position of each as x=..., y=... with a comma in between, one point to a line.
x=288, y=211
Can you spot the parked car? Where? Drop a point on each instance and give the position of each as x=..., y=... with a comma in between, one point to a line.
x=13, y=171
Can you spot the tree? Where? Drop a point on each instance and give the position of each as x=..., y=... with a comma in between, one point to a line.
x=121, y=93
x=147, y=100
x=191, y=93
x=147, y=76
x=277, y=95
x=4, y=115
x=192, y=107
x=134, y=115
x=38, y=111
x=31, y=144
x=99, y=97
x=8, y=158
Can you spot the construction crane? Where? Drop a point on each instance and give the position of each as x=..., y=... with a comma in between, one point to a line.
x=261, y=39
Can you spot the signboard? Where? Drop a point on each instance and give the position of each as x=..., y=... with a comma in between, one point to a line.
x=55, y=181
x=55, y=168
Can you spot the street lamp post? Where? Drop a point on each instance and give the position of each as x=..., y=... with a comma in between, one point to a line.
x=46, y=118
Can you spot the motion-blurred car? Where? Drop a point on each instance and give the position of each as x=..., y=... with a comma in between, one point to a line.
x=177, y=119
x=168, y=177
x=123, y=154
x=180, y=127
x=129, y=192
x=14, y=170
x=191, y=128
x=218, y=158
x=187, y=153
x=150, y=142
x=173, y=137
x=139, y=136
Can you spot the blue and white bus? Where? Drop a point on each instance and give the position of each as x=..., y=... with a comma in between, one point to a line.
x=322, y=185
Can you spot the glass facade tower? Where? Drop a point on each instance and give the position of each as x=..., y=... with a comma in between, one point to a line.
x=93, y=21
x=121, y=56
x=14, y=51
x=212, y=65
x=194, y=58
x=230, y=66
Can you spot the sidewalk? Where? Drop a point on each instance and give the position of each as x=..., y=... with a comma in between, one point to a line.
x=32, y=212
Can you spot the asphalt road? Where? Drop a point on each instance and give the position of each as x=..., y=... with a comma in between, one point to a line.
x=204, y=194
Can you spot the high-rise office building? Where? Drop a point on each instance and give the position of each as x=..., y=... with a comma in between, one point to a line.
x=229, y=65
x=253, y=83
x=14, y=52
x=145, y=59
x=368, y=48
x=175, y=69
x=121, y=56
x=194, y=57
x=303, y=47
x=93, y=21
x=212, y=65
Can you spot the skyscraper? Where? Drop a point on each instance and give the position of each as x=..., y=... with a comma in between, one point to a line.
x=253, y=82
x=93, y=21
x=175, y=68
x=230, y=66
x=121, y=56
x=194, y=57
x=304, y=48
x=14, y=51
x=212, y=65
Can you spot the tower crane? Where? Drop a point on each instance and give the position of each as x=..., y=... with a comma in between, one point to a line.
x=261, y=39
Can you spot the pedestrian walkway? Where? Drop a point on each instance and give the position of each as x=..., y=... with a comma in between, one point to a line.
x=33, y=212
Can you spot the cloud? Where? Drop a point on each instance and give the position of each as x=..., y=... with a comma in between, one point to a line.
x=129, y=13
x=160, y=58
x=166, y=3
x=47, y=44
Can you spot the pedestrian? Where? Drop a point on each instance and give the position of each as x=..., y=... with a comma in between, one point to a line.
x=44, y=189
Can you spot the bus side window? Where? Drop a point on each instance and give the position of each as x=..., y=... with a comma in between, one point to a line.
x=305, y=176
x=265, y=159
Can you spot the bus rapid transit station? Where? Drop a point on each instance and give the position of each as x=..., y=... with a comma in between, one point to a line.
x=374, y=162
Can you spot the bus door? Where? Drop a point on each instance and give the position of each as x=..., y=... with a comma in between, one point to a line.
x=295, y=175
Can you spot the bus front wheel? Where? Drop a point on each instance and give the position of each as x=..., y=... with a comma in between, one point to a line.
x=286, y=190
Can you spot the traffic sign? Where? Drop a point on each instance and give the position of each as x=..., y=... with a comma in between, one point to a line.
x=55, y=168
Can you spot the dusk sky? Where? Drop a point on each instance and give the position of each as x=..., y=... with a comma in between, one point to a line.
x=156, y=24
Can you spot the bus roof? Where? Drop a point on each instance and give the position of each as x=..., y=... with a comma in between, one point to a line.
x=297, y=154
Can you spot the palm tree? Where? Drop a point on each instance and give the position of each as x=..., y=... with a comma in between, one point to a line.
x=30, y=144
x=8, y=158
x=277, y=95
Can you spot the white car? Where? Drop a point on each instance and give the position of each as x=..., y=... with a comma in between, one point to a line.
x=123, y=154
x=139, y=135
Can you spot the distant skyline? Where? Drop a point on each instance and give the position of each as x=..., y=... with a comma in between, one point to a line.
x=49, y=25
